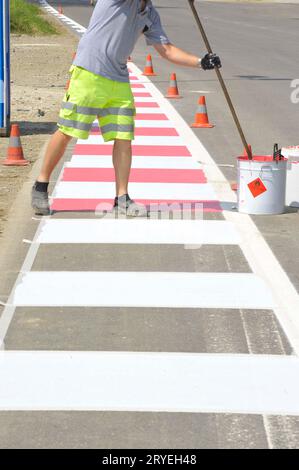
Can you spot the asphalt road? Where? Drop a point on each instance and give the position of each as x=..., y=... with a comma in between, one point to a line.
x=259, y=50
x=258, y=69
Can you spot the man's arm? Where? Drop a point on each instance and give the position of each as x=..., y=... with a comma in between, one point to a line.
x=178, y=56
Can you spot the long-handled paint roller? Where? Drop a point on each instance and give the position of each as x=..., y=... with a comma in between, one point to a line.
x=219, y=76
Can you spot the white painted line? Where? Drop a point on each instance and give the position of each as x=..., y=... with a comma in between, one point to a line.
x=139, y=140
x=150, y=111
x=155, y=191
x=141, y=123
x=52, y=10
x=142, y=289
x=9, y=310
x=144, y=99
x=169, y=382
x=152, y=123
x=175, y=163
x=138, y=231
x=256, y=250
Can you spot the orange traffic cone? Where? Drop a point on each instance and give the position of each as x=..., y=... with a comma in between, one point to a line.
x=201, y=116
x=15, y=154
x=129, y=59
x=149, y=70
x=173, y=91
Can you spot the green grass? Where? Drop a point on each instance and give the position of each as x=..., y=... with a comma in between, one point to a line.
x=26, y=18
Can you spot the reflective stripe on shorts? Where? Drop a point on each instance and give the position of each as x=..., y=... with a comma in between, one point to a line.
x=97, y=111
x=74, y=124
x=117, y=128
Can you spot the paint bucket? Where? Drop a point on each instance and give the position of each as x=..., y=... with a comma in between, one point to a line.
x=292, y=191
x=261, y=185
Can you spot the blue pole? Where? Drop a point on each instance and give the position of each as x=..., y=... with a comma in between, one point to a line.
x=2, y=15
x=4, y=68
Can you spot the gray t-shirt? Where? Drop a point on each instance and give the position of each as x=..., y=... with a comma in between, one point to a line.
x=113, y=31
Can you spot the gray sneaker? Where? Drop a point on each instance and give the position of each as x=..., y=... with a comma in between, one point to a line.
x=40, y=202
x=124, y=205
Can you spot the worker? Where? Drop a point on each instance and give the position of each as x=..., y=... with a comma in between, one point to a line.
x=99, y=87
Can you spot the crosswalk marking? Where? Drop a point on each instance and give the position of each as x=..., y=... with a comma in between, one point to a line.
x=153, y=205
x=137, y=150
x=139, y=140
x=138, y=231
x=137, y=175
x=169, y=382
x=147, y=131
x=144, y=99
x=143, y=289
x=154, y=191
x=105, y=161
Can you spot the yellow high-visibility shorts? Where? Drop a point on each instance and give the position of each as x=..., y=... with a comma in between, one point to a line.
x=91, y=96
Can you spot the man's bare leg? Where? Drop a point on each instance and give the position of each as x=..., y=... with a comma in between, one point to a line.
x=122, y=161
x=54, y=152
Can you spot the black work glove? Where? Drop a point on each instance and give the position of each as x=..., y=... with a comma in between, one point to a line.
x=210, y=61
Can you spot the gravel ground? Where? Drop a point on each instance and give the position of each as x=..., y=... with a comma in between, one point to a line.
x=39, y=72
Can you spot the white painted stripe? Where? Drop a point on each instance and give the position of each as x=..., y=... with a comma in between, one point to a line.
x=150, y=110
x=61, y=17
x=175, y=163
x=155, y=191
x=8, y=312
x=144, y=99
x=256, y=250
x=142, y=289
x=152, y=123
x=139, y=140
x=141, y=123
x=169, y=382
x=193, y=232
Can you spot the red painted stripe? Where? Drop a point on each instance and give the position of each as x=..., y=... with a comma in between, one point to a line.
x=147, y=131
x=91, y=204
x=151, y=117
x=137, y=85
x=138, y=175
x=133, y=77
x=141, y=94
x=149, y=104
x=138, y=150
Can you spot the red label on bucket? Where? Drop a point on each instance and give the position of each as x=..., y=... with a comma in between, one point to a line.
x=257, y=187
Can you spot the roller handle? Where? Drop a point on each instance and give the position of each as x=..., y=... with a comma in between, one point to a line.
x=223, y=86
